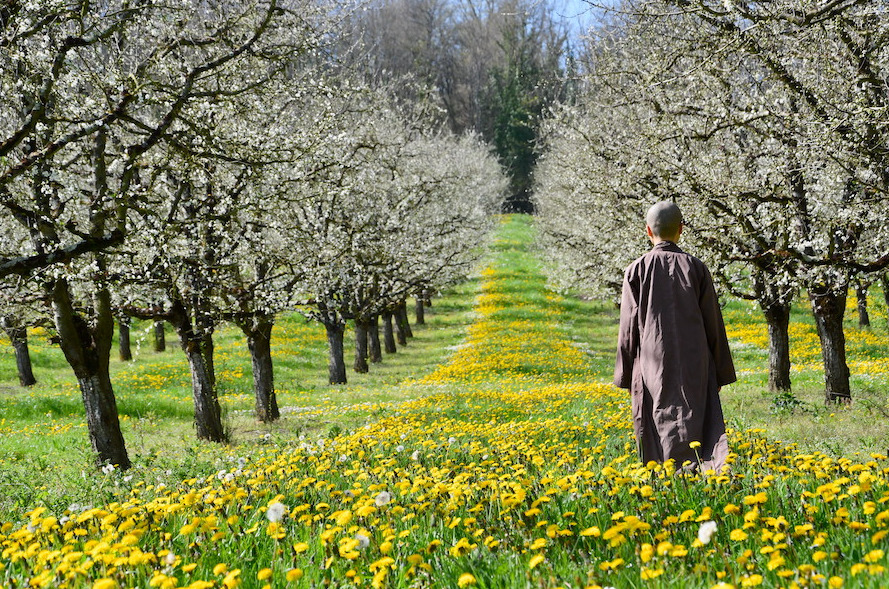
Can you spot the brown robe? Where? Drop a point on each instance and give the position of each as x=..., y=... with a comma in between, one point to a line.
x=673, y=355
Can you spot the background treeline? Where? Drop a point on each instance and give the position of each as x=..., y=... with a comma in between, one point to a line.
x=767, y=122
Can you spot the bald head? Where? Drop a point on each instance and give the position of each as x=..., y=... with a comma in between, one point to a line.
x=664, y=219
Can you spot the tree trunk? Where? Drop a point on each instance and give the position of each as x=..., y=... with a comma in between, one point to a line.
x=373, y=340
x=88, y=349
x=18, y=337
x=778, y=319
x=400, y=332
x=207, y=413
x=123, y=336
x=337, y=363
x=420, y=308
x=362, y=328
x=208, y=351
x=885, y=280
x=259, y=342
x=829, y=306
x=404, y=320
x=160, y=336
x=861, y=288
x=388, y=334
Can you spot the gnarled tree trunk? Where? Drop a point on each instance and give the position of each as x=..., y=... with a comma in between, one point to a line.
x=885, y=281
x=362, y=328
x=123, y=337
x=829, y=306
x=420, y=310
x=403, y=319
x=375, y=351
x=18, y=337
x=198, y=348
x=258, y=330
x=400, y=333
x=160, y=336
x=388, y=334
x=778, y=320
x=87, y=349
x=336, y=363
x=861, y=288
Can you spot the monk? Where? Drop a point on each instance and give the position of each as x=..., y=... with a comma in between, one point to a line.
x=672, y=352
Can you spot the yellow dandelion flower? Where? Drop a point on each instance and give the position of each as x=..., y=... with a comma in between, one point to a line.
x=294, y=575
x=536, y=560
x=465, y=580
x=738, y=535
x=646, y=574
x=264, y=574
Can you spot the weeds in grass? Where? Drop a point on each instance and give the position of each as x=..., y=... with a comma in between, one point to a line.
x=511, y=465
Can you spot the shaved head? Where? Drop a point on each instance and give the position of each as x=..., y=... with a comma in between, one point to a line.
x=665, y=220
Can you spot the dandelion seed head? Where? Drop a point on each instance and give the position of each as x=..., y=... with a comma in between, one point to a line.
x=706, y=531
x=276, y=512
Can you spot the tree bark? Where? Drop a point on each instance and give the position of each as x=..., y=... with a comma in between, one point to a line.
x=337, y=363
x=829, y=306
x=208, y=351
x=87, y=349
x=885, y=281
x=362, y=328
x=373, y=340
x=400, y=332
x=259, y=342
x=123, y=336
x=207, y=413
x=18, y=337
x=402, y=315
x=420, y=311
x=778, y=320
x=160, y=336
x=861, y=288
x=388, y=334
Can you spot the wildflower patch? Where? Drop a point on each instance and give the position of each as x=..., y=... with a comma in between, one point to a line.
x=514, y=467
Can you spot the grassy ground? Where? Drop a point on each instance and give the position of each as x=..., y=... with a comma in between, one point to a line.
x=488, y=453
x=44, y=447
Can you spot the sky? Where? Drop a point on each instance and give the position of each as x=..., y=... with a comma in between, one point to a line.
x=580, y=14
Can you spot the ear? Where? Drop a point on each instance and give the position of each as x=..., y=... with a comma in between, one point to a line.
x=648, y=230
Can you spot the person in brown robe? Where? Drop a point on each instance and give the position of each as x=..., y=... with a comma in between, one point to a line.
x=673, y=354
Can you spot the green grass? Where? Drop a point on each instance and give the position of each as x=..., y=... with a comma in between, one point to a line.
x=511, y=438
x=152, y=414
x=43, y=438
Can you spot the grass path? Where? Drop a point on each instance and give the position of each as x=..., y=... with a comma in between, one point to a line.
x=510, y=465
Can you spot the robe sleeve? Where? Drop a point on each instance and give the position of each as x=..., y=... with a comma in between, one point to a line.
x=628, y=335
x=714, y=326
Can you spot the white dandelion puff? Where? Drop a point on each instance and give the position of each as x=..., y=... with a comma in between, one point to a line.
x=705, y=532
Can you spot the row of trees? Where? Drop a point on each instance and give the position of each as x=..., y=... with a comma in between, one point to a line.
x=214, y=161
x=767, y=123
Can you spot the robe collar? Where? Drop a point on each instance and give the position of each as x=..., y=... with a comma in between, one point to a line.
x=666, y=245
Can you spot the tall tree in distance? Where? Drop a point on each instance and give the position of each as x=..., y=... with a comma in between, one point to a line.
x=490, y=66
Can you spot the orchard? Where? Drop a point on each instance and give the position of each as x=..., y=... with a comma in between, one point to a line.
x=266, y=324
